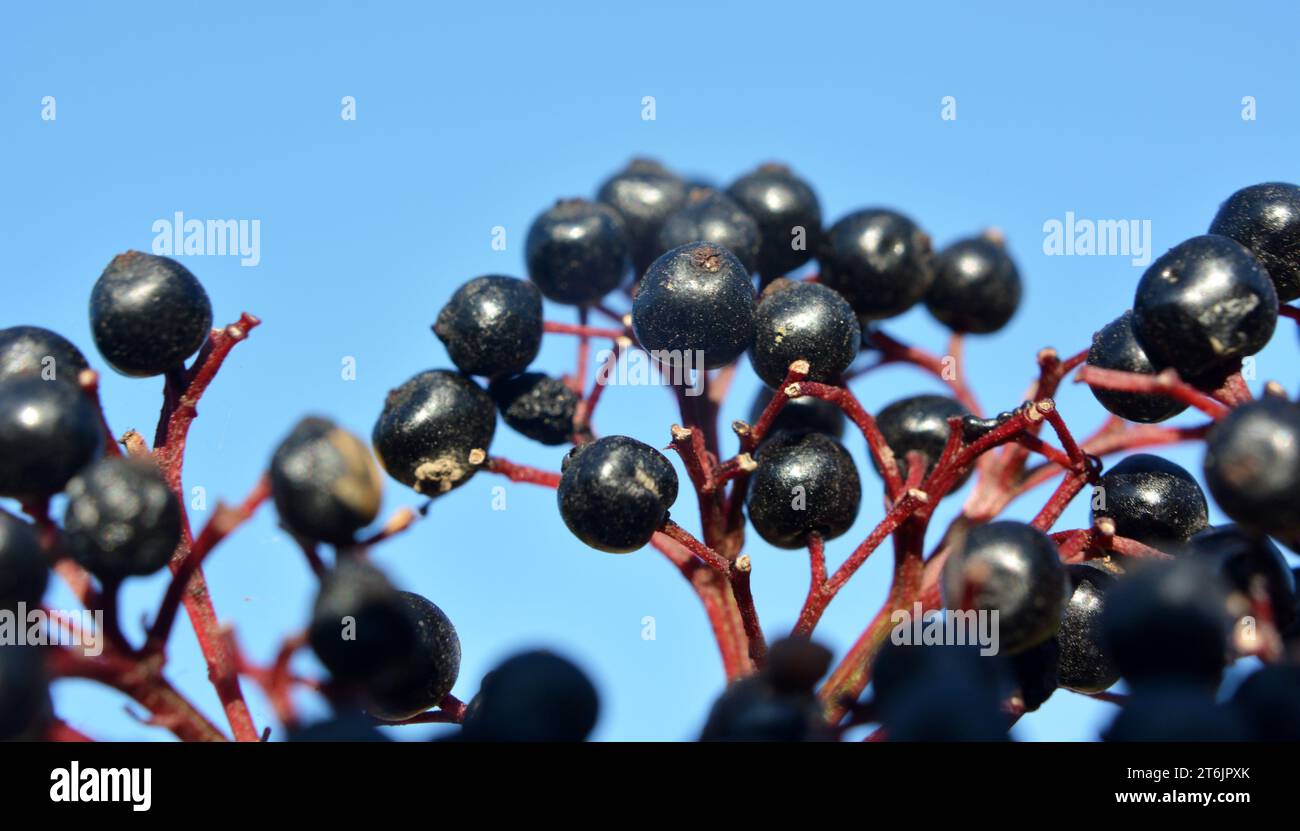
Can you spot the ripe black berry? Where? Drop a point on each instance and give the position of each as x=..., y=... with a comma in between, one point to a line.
x=752, y=710
x=1115, y=346
x=121, y=520
x=1202, y=307
x=427, y=674
x=644, y=194
x=1269, y=702
x=804, y=414
x=1013, y=568
x=533, y=697
x=879, y=260
x=952, y=708
x=795, y=665
x=803, y=484
x=803, y=321
x=919, y=424
x=788, y=215
x=711, y=216
x=1035, y=672
x=31, y=350
x=976, y=285
x=23, y=570
x=492, y=326
x=536, y=405
x=361, y=627
x=1252, y=467
x=615, y=492
x=1175, y=712
x=577, y=252
x=24, y=692
x=48, y=431
x=434, y=431
x=325, y=483
x=1245, y=560
x=1151, y=500
x=148, y=314
x=1084, y=664
x=1266, y=219
x=696, y=298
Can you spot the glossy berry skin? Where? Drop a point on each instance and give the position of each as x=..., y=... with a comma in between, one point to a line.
x=615, y=492
x=148, y=314
x=1266, y=219
x=1084, y=664
x=976, y=286
x=361, y=626
x=537, y=406
x=753, y=710
x=1014, y=568
x=430, y=428
x=803, y=484
x=121, y=520
x=696, y=298
x=48, y=432
x=1241, y=558
x=879, y=260
x=711, y=216
x=424, y=678
x=1151, y=500
x=31, y=350
x=1168, y=621
x=1252, y=467
x=1269, y=702
x=1115, y=346
x=781, y=203
x=24, y=572
x=803, y=321
x=325, y=482
x=24, y=693
x=919, y=424
x=1175, y=712
x=577, y=252
x=644, y=194
x=804, y=414
x=1202, y=307
x=533, y=697
x=492, y=326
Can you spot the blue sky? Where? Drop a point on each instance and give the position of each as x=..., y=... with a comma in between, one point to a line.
x=471, y=118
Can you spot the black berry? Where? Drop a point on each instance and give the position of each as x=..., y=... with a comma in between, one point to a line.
x=711, y=216
x=1266, y=219
x=695, y=298
x=23, y=569
x=427, y=674
x=48, y=432
x=324, y=481
x=1252, y=467
x=879, y=260
x=803, y=484
x=803, y=321
x=122, y=520
x=434, y=431
x=1151, y=500
x=976, y=286
x=615, y=493
x=901, y=667
x=1084, y=664
x=1247, y=561
x=804, y=414
x=1269, y=702
x=361, y=627
x=1175, y=712
x=31, y=350
x=577, y=252
x=1115, y=346
x=644, y=194
x=1035, y=673
x=24, y=692
x=492, y=326
x=788, y=215
x=919, y=424
x=533, y=697
x=752, y=710
x=148, y=314
x=536, y=405
x=795, y=665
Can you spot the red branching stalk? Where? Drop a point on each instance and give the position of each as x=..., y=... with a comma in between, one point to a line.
x=1165, y=383
x=582, y=331
x=523, y=473
x=894, y=352
x=88, y=380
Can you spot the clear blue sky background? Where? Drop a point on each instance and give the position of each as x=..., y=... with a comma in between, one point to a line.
x=469, y=119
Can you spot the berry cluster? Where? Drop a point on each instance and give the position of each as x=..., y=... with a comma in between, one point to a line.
x=1149, y=592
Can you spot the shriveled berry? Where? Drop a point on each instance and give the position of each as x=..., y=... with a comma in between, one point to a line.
x=122, y=520
x=1084, y=664
x=788, y=214
x=1202, y=307
x=537, y=406
x=644, y=194
x=712, y=216
x=421, y=680
x=24, y=692
x=577, y=252
x=879, y=260
x=148, y=314
x=31, y=350
x=325, y=482
x=803, y=321
x=1246, y=561
x=24, y=572
x=752, y=710
x=1015, y=569
x=1175, y=711
x=919, y=424
x=1115, y=346
x=533, y=697
x=492, y=326
x=1266, y=219
x=804, y=484
x=1151, y=500
x=976, y=285
x=695, y=299
x=615, y=492
x=1252, y=467
x=804, y=414
x=434, y=431
x=48, y=432
x=361, y=626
